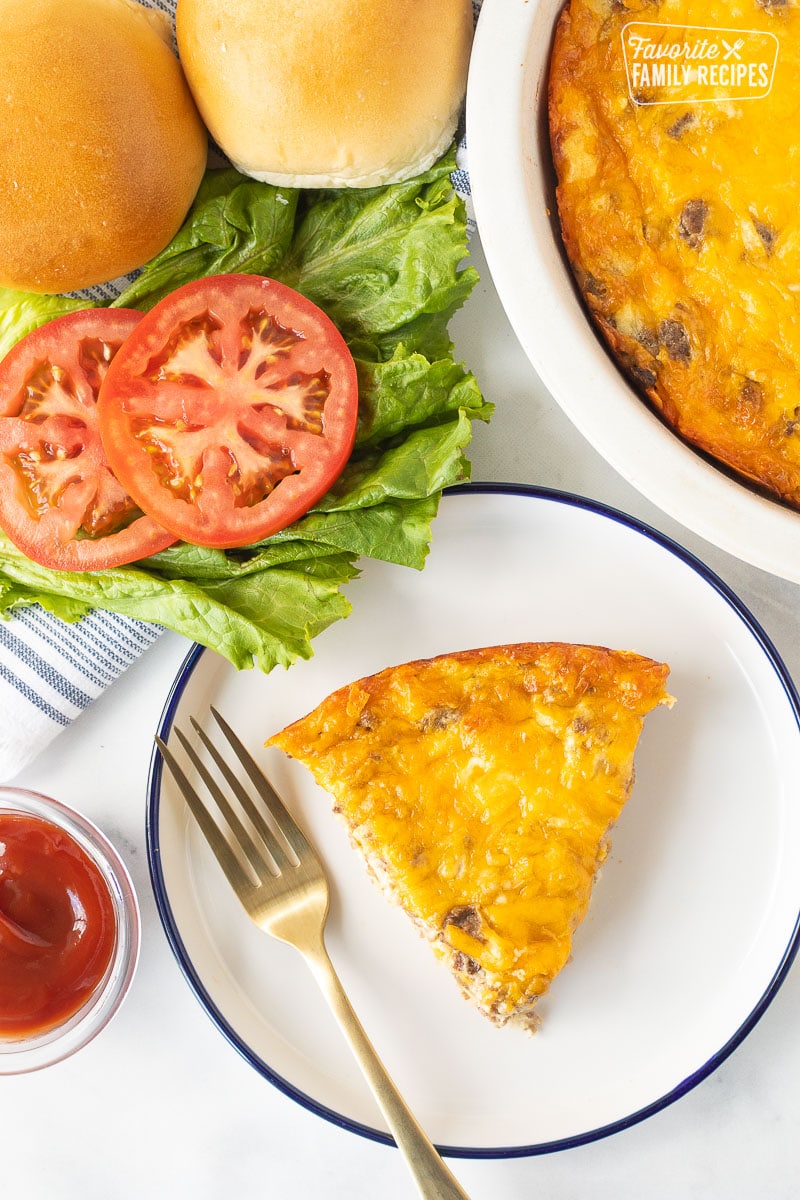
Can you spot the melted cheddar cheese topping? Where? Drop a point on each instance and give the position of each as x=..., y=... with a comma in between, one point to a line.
x=681, y=218
x=480, y=788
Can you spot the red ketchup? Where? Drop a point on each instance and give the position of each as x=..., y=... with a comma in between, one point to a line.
x=57, y=926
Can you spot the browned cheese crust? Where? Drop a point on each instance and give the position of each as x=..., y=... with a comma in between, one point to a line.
x=480, y=788
x=681, y=221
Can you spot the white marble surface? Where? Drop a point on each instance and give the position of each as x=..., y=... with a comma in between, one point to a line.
x=160, y=1105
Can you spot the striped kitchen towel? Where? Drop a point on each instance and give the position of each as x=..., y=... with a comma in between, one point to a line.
x=51, y=671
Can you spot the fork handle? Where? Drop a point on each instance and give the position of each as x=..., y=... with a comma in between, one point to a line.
x=431, y=1174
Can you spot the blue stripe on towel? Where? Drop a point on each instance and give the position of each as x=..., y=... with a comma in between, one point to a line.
x=69, y=645
x=76, y=637
x=114, y=645
x=59, y=718
x=133, y=636
x=43, y=669
x=85, y=638
x=136, y=632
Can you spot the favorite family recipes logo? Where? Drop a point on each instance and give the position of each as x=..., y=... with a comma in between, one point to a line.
x=692, y=64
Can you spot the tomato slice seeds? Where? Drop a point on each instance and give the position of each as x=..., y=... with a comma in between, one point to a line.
x=219, y=417
x=231, y=410
x=59, y=501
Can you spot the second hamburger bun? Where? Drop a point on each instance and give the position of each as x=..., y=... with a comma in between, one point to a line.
x=101, y=146
x=327, y=93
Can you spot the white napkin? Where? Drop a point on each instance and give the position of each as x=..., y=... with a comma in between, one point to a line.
x=51, y=671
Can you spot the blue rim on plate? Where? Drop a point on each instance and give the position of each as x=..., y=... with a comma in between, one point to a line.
x=184, y=961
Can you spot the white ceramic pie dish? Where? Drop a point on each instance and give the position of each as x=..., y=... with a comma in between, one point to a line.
x=513, y=192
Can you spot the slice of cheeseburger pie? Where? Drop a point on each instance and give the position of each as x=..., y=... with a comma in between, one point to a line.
x=480, y=788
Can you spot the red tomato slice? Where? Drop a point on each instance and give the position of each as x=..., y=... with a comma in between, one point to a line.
x=231, y=409
x=59, y=502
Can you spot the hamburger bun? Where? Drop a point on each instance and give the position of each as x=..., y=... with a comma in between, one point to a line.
x=101, y=146
x=327, y=93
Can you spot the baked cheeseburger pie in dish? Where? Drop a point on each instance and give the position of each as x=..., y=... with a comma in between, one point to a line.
x=680, y=210
x=638, y=204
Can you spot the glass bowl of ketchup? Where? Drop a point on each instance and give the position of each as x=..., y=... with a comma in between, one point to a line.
x=69, y=931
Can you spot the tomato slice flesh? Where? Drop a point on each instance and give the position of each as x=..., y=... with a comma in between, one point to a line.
x=60, y=503
x=231, y=409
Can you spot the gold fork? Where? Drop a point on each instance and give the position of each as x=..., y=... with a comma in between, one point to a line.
x=283, y=887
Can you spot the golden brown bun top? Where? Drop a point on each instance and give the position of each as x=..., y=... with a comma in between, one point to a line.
x=101, y=146
x=319, y=93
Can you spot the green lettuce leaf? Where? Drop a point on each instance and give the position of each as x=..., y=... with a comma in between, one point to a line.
x=22, y=312
x=234, y=225
x=394, y=530
x=388, y=266
x=262, y=619
x=385, y=260
x=408, y=390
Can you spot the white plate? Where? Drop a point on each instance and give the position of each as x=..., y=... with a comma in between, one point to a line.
x=692, y=924
x=512, y=187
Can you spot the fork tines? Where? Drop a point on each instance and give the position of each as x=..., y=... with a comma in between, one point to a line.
x=274, y=832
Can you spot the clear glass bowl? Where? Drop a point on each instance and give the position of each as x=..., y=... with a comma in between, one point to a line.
x=33, y=1051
